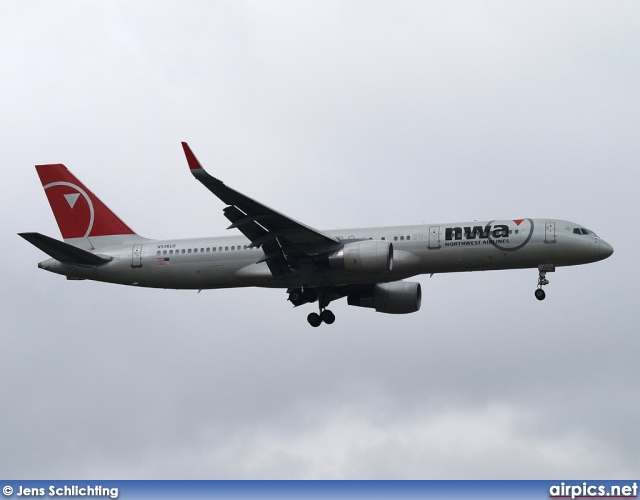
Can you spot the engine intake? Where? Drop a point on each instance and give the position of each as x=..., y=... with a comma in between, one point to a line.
x=399, y=297
x=364, y=257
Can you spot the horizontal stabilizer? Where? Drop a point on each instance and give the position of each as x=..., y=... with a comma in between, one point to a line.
x=63, y=252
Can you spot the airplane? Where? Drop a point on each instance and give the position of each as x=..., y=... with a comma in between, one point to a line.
x=368, y=266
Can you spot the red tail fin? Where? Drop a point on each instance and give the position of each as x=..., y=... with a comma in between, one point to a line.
x=78, y=212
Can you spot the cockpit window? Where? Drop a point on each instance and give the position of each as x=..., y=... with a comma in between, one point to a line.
x=581, y=230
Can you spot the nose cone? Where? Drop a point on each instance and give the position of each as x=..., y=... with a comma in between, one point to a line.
x=606, y=250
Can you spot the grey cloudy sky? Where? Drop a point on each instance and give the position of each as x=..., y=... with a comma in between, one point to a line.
x=339, y=114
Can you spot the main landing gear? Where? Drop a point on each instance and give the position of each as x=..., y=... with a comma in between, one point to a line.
x=542, y=280
x=325, y=316
x=299, y=296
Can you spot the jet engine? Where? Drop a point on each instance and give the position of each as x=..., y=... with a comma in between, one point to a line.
x=398, y=297
x=364, y=257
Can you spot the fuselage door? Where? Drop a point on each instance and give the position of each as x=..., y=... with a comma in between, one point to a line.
x=550, y=232
x=434, y=237
x=136, y=256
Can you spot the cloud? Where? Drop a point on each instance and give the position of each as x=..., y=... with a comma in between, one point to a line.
x=488, y=443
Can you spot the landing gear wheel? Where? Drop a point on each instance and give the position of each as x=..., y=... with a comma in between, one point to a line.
x=296, y=298
x=542, y=279
x=314, y=320
x=320, y=294
x=327, y=316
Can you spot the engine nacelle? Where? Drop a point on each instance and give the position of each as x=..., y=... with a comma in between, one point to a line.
x=399, y=297
x=364, y=257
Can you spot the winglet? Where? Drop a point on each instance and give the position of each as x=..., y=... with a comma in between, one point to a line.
x=200, y=173
x=193, y=162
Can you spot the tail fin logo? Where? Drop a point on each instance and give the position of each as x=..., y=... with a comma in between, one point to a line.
x=71, y=199
x=76, y=219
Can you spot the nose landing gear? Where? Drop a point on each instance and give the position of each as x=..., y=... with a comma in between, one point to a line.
x=542, y=279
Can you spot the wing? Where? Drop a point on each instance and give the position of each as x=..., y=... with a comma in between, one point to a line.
x=284, y=241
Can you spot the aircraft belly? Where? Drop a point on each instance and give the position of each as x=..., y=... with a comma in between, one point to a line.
x=202, y=275
x=215, y=276
x=478, y=257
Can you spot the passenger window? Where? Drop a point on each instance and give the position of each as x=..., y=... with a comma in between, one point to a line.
x=395, y=238
x=164, y=252
x=233, y=248
x=159, y=253
x=189, y=251
x=401, y=238
x=226, y=248
x=408, y=238
x=170, y=252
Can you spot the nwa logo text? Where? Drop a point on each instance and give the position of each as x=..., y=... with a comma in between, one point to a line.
x=476, y=235
x=497, y=235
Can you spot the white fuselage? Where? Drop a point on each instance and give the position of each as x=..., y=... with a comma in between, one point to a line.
x=229, y=261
